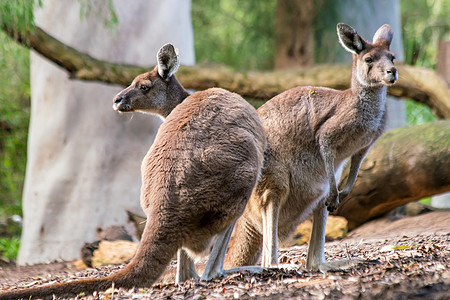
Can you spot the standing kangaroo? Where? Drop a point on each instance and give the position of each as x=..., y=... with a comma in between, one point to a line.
x=310, y=132
x=196, y=179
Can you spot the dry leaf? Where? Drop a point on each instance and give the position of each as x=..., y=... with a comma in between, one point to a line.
x=388, y=248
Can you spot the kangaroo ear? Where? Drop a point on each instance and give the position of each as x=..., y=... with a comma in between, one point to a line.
x=383, y=35
x=168, y=62
x=349, y=38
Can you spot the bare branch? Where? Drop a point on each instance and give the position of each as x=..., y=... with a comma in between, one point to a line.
x=420, y=84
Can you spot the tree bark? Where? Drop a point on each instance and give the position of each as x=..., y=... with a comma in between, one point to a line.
x=405, y=165
x=294, y=36
x=420, y=84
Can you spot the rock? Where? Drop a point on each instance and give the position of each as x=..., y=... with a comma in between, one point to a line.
x=87, y=252
x=113, y=253
x=114, y=233
x=336, y=229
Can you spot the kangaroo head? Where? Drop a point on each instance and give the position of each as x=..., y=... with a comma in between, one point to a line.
x=373, y=63
x=157, y=91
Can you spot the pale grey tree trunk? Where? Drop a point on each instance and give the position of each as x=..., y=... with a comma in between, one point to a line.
x=83, y=168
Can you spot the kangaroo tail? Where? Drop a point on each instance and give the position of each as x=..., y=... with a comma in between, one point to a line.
x=245, y=246
x=156, y=249
x=67, y=289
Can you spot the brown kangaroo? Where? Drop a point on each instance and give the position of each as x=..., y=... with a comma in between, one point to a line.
x=196, y=179
x=310, y=132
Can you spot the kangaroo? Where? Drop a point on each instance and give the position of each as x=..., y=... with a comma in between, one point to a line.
x=311, y=131
x=196, y=179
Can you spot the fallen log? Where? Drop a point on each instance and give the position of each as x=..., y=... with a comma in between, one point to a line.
x=405, y=165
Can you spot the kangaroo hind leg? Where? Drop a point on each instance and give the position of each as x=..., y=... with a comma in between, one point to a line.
x=316, y=250
x=214, y=266
x=185, y=267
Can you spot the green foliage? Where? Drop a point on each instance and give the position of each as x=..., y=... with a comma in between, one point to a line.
x=17, y=14
x=9, y=247
x=426, y=201
x=14, y=116
x=239, y=34
x=424, y=24
x=103, y=10
x=326, y=49
x=418, y=113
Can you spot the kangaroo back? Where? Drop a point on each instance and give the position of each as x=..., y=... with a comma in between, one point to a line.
x=216, y=144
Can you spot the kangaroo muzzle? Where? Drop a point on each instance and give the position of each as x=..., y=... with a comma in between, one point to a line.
x=390, y=76
x=120, y=104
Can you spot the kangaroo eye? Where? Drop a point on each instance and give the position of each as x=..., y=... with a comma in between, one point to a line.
x=368, y=60
x=144, y=87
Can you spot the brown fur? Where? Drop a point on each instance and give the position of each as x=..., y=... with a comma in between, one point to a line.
x=310, y=129
x=196, y=178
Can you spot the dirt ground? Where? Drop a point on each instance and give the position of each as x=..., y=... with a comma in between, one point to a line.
x=405, y=259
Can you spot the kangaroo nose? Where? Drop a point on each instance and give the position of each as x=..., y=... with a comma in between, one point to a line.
x=118, y=99
x=392, y=73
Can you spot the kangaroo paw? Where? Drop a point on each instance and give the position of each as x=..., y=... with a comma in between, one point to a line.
x=332, y=203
